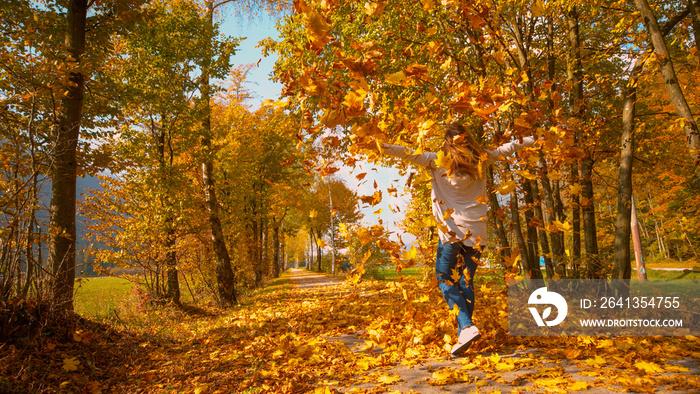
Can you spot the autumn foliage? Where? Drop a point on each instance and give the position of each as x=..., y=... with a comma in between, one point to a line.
x=377, y=72
x=202, y=198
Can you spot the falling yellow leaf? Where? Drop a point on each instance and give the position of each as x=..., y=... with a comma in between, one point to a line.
x=374, y=199
x=364, y=236
x=443, y=160
x=575, y=188
x=506, y=187
x=526, y=174
x=554, y=175
x=448, y=213
x=410, y=254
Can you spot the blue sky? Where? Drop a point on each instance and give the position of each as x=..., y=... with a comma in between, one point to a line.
x=263, y=88
x=255, y=30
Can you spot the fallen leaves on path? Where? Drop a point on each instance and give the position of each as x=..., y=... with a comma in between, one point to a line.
x=288, y=340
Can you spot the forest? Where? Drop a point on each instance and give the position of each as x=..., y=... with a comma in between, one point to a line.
x=200, y=198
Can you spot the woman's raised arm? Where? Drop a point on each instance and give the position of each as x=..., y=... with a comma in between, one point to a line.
x=426, y=159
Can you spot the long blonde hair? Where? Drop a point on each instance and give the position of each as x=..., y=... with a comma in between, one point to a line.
x=465, y=151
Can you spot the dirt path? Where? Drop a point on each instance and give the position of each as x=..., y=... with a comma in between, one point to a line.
x=416, y=378
x=306, y=279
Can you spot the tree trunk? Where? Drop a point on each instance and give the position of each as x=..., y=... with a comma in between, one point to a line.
x=590, y=239
x=276, y=249
x=528, y=264
x=621, y=246
x=575, y=77
x=173, y=284
x=556, y=237
x=171, y=264
x=542, y=234
x=532, y=247
x=668, y=72
x=552, y=195
x=622, y=268
x=253, y=245
x=64, y=169
x=262, y=248
x=226, y=282
x=34, y=201
x=319, y=253
x=496, y=217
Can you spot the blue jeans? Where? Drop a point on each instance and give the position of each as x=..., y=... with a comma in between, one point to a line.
x=457, y=256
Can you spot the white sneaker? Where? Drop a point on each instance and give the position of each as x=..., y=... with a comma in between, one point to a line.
x=466, y=338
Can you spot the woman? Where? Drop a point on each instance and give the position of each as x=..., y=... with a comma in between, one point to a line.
x=461, y=217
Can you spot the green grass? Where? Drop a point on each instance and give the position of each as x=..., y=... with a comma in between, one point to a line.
x=390, y=274
x=660, y=274
x=100, y=298
x=278, y=284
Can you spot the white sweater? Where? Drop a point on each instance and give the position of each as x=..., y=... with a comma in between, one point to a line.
x=468, y=221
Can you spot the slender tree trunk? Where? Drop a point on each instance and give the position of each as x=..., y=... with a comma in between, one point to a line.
x=528, y=263
x=262, y=247
x=556, y=237
x=226, y=281
x=64, y=168
x=276, y=249
x=496, y=213
x=575, y=77
x=590, y=239
x=253, y=246
x=530, y=223
x=541, y=233
x=319, y=253
x=574, y=67
x=552, y=195
x=173, y=284
x=621, y=246
x=171, y=265
x=668, y=72
x=660, y=231
x=34, y=200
